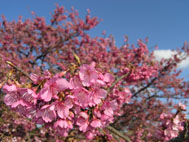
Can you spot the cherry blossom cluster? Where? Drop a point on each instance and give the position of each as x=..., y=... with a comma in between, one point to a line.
x=83, y=100
x=171, y=126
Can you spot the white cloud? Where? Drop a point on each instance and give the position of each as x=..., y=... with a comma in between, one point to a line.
x=185, y=63
x=166, y=54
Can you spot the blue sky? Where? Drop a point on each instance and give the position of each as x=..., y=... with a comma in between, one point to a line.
x=165, y=22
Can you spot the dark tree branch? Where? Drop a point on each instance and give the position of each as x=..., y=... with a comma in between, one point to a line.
x=49, y=49
x=161, y=74
x=117, y=80
x=116, y=132
x=18, y=69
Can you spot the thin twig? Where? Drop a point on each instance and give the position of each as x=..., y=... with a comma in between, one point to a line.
x=18, y=69
x=116, y=132
x=153, y=80
x=116, y=81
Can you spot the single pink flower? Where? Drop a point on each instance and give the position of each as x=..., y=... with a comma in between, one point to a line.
x=63, y=126
x=82, y=97
x=108, y=77
x=62, y=110
x=28, y=95
x=11, y=99
x=96, y=96
x=62, y=84
x=88, y=74
x=109, y=112
x=35, y=78
x=89, y=135
x=61, y=123
x=9, y=88
x=82, y=121
x=52, y=87
x=182, y=106
x=47, y=113
x=47, y=93
x=109, y=107
x=96, y=123
x=75, y=83
x=128, y=95
x=28, y=111
x=61, y=131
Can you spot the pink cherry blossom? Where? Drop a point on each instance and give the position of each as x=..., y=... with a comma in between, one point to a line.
x=171, y=126
x=77, y=93
x=11, y=99
x=97, y=95
x=108, y=77
x=47, y=93
x=82, y=97
x=63, y=126
x=182, y=106
x=75, y=82
x=128, y=95
x=35, y=78
x=52, y=87
x=88, y=74
x=90, y=135
x=62, y=84
x=47, y=113
x=64, y=104
x=96, y=123
x=82, y=121
x=28, y=95
x=62, y=110
x=9, y=88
